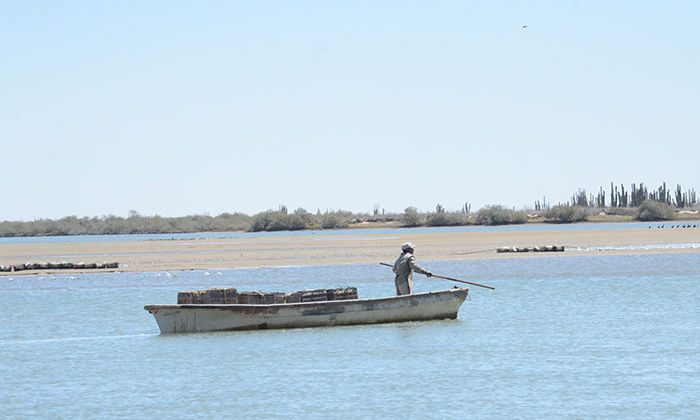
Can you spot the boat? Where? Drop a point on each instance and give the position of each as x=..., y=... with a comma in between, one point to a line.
x=187, y=318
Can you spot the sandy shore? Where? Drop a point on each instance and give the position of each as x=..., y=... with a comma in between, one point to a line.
x=212, y=254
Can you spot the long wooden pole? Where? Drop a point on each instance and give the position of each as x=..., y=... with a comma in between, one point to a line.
x=450, y=278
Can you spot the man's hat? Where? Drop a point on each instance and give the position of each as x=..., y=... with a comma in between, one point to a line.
x=406, y=246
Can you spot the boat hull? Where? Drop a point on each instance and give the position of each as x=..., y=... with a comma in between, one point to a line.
x=204, y=318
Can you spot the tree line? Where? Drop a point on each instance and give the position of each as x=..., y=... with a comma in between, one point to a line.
x=267, y=221
x=134, y=224
x=637, y=202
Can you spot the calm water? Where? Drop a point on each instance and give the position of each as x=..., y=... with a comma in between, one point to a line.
x=596, y=336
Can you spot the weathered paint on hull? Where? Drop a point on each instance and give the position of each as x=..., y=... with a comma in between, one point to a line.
x=204, y=318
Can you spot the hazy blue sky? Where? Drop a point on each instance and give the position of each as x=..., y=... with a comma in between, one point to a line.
x=178, y=108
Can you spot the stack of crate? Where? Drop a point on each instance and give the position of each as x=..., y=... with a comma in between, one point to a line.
x=185, y=298
x=220, y=296
x=231, y=296
x=294, y=297
x=316, y=295
x=346, y=293
x=214, y=296
x=275, y=297
x=251, y=298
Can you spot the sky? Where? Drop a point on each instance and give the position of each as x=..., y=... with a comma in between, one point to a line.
x=176, y=108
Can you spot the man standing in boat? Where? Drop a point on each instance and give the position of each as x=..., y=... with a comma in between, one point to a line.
x=404, y=267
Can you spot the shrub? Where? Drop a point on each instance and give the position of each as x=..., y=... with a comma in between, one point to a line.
x=307, y=217
x=261, y=221
x=447, y=219
x=654, y=210
x=499, y=215
x=296, y=222
x=566, y=214
x=411, y=217
x=518, y=217
x=272, y=221
x=333, y=221
x=226, y=222
x=278, y=222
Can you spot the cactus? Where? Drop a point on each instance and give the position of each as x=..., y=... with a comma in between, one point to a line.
x=680, y=202
x=600, y=200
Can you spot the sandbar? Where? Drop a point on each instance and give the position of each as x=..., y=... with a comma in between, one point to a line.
x=353, y=248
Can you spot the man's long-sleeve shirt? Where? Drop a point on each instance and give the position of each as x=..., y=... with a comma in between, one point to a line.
x=404, y=267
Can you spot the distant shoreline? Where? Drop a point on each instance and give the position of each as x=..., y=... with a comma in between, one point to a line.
x=683, y=216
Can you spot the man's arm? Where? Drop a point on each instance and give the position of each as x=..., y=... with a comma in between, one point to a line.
x=417, y=268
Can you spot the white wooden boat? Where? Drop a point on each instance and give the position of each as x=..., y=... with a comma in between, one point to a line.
x=227, y=317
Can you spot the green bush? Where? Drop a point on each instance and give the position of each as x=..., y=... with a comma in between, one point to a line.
x=518, y=218
x=653, y=210
x=447, y=219
x=566, y=214
x=307, y=217
x=225, y=222
x=333, y=221
x=277, y=222
x=273, y=221
x=296, y=222
x=411, y=217
x=499, y=215
x=261, y=221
